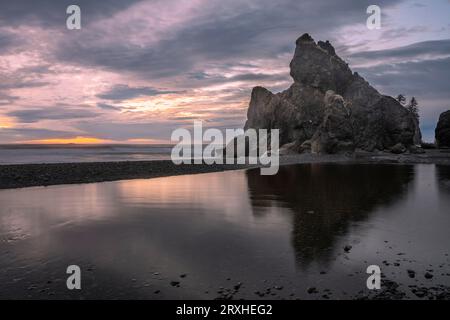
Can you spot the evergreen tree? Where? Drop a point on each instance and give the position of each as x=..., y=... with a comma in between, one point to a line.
x=401, y=98
x=413, y=107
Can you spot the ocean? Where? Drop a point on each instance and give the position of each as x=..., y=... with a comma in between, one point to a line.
x=26, y=154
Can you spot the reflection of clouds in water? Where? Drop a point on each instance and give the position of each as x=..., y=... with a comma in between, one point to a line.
x=224, y=192
x=33, y=211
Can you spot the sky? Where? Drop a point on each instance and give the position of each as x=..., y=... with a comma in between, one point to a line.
x=139, y=69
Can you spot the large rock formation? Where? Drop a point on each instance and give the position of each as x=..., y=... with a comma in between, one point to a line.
x=330, y=109
x=442, y=131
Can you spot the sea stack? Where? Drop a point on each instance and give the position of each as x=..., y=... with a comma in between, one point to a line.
x=330, y=109
x=442, y=132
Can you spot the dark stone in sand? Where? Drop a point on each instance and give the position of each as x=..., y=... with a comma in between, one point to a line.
x=411, y=273
x=312, y=290
x=428, y=275
x=398, y=148
x=278, y=287
x=347, y=248
x=390, y=290
x=175, y=283
x=420, y=293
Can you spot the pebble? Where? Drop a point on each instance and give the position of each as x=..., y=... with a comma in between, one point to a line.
x=312, y=290
x=278, y=287
x=237, y=286
x=411, y=273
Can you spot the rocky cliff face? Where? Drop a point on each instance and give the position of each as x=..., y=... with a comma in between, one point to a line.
x=330, y=109
x=443, y=130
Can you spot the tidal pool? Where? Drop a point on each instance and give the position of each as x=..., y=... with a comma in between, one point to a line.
x=233, y=234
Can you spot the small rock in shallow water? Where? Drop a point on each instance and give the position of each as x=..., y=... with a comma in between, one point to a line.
x=428, y=275
x=312, y=290
x=261, y=294
x=278, y=287
x=237, y=286
x=411, y=273
x=347, y=248
x=175, y=283
x=419, y=293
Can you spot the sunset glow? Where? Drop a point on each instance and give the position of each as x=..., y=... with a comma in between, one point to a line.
x=150, y=67
x=76, y=140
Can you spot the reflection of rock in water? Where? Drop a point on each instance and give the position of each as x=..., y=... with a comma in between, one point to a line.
x=326, y=199
x=443, y=176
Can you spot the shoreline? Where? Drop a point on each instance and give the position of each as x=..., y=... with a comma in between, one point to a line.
x=13, y=176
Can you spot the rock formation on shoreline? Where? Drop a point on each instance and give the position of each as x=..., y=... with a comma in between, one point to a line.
x=442, y=132
x=330, y=109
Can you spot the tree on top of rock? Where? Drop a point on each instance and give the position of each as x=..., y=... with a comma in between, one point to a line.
x=413, y=107
x=401, y=98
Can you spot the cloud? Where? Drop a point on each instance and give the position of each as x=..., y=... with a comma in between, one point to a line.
x=233, y=33
x=422, y=78
x=6, y=99
x=122, y=92
x=122, y=131
x=22, y=78
x=425, y=50
x=7, y=41
x=50, y=113
x=105, y=106
x=53, y=13
x=8, y=135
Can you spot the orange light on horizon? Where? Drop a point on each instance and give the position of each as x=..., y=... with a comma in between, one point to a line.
x=76, y=140
x=5, y=123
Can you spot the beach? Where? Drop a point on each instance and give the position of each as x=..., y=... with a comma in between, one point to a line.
x=46, y=174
